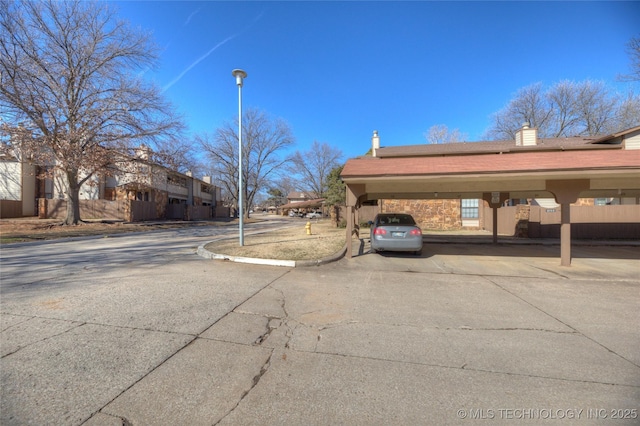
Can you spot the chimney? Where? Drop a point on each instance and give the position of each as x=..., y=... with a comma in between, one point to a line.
x=375, y=143
x=526, y=136
x=206, y=179
x=143, y=152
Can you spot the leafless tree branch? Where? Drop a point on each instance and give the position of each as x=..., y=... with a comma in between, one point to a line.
x=68, y=82
x=264, y=141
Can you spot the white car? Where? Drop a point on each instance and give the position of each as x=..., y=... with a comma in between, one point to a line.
x=314, y=215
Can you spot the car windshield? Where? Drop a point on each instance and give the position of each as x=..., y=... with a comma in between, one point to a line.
x=396, y=219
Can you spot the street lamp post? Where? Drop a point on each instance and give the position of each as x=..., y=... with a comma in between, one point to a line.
x=239, y=75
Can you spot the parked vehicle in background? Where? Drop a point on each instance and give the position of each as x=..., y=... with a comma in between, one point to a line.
x=395, y=232
x=314, y=215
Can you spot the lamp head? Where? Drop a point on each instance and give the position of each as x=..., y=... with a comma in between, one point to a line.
x=239, y=75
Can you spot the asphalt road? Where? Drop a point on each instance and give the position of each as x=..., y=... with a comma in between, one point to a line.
x=35, y=262
x=139, y=330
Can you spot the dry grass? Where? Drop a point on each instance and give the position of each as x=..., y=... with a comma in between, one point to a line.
x=286, y=244
x=28, y=229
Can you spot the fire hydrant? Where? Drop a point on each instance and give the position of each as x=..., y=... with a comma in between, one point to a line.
x=308, y=227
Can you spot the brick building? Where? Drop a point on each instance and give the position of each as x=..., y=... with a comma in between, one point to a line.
x=499, y=174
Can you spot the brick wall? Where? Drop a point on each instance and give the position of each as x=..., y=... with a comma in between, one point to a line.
x=440, y=215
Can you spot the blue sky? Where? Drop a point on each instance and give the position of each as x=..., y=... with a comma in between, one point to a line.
x=335, y=71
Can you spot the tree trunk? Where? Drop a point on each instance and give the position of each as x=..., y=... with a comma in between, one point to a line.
x=248, y=201
x=73, y=199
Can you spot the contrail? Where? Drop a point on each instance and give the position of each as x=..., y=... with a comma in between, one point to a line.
x=203, y=57
x=200, y=59
x=194, y=13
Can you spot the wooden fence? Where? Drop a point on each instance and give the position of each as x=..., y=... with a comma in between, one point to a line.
x=587, y=222
x=10, y=208
x=185, y=212
x=89, y=209
x=128, y=210
x=139, y=211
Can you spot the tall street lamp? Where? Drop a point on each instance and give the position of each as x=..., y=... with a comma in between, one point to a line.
x=239, y=75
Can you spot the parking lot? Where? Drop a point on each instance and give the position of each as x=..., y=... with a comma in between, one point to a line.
x=475, y=254
x=466, y=333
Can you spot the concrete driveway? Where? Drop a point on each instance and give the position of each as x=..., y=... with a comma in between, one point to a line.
x=465, y=334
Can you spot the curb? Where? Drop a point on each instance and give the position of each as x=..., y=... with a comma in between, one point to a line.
x=332, y=258
x=203, y=252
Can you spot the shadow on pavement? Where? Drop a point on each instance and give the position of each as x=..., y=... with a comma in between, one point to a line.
x=481, y=245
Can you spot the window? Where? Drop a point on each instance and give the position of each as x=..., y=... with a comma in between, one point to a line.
x=470, y=209
x=177, y=180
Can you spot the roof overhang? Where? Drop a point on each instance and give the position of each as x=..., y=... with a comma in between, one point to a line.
x=612, y=173
x=303, y=204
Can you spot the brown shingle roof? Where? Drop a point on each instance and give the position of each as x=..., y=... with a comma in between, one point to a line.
x=490, y=163
x=616, y=135
x=487, y=147
x=303, y=204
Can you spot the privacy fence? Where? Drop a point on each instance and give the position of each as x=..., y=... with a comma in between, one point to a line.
x=587, y=222
x=10, y=208
x=128, y=210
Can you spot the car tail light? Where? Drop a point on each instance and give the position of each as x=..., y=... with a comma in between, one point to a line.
x=416, y=232
x=379, y=231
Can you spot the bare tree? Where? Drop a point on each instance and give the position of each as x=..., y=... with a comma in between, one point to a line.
x=627, y=113
x=596, y=107
x=178, y=155
x=564, y=118
x=313, y=166
x=69, y=96
x=440, y=133
x=633, y=49
x=282, y=186
x=527, y=106
x=264, y=139
x=586, y=108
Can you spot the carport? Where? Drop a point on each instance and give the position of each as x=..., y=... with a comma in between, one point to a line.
x=311, y=204
x=528, y=167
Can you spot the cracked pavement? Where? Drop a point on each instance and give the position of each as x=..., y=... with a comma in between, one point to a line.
x=458, y=336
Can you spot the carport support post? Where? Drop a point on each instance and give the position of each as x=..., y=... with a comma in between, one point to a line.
x=354, y=192
x=495, y=200
x=494, y=214
x=349, y=231
x=566, y=193
x=565, y=234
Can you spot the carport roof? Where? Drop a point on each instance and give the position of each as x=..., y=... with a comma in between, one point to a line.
x=303, y=204
x=488, y=147
x=503, y=162
x=469, y=170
